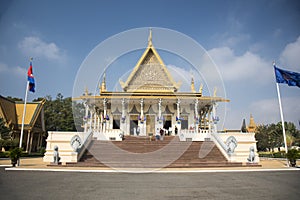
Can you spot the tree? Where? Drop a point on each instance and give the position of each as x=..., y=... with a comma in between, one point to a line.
x=6, y=139
x=5, y=132
x=14, y=98
x=270, y=136
x=59, y=114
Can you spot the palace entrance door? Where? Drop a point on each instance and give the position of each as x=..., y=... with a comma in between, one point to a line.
x=133, y=124
x=150, y=124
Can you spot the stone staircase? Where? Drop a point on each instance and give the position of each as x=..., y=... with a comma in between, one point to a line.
x=143, y=152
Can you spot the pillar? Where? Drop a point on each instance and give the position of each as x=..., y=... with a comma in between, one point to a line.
x=104, y=114
x=159, y=109
x=30, y=143
x=123, y=117
x=28, y=140
x=98, y=123
x=215, y=119
x=85, y=120
x=95, y=121
x=142, y=125
x=196, y=116
x=178, y=125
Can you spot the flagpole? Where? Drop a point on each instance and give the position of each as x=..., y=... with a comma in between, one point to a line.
x=282, y=121
x=24, y=113
x=23, y=119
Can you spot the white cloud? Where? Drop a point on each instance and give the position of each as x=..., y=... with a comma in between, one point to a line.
x=184, y=77
x=290, y=55
x=248, y=66
x=19, y=71
x=35, y=47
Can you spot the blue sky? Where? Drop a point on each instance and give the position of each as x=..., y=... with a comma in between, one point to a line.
x=242, y=37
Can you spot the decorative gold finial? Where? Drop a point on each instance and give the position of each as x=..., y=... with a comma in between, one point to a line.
x=86, y=91
x=193, y=85
x=150, y=38
x=201, y=88
x=252, y=125
x=215, y=91
x=103, y=85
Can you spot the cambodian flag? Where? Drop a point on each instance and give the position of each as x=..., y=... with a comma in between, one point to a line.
x=31, y=79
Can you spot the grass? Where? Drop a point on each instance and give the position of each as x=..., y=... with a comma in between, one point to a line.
x=5, y=154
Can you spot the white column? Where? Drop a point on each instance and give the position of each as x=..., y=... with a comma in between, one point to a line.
x=178, y=108
x=159, y=109
x=209, y=117
x=95, y=121
x=123, y=109
x=98, y=123
x=215, y=120
x=91, y=120
x=104, y=114
x=142, y=108
x=142, y=125
x=178, y=115
x=85, y=120
x=101, y=121
x=28, y=140
x=196, y=115
x=123, y=117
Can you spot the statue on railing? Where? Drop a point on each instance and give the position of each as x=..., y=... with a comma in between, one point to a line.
x=251, y=157
x=56, y=155
x=231, y=144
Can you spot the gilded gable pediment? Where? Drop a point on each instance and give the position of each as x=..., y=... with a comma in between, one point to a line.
x=150, y=74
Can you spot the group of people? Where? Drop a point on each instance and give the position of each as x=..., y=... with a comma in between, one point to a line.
x=160, y=133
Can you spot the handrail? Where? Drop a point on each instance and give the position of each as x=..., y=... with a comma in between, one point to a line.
x=85, y=145
x=222, y=146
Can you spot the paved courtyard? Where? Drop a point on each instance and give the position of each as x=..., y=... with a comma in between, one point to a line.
x=212, y=185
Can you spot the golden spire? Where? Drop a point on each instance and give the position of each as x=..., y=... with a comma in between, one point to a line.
x=201, y=88
x=215, y=91
x=150, y=38
x=252, y=125
x=86, y=91
x=103, y=85
x=193, y=85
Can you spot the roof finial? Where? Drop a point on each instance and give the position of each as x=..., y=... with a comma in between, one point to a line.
x=86, y=91
x=150, y=38
x=103, y=85
x=201, y=88
x=193, y=85
x=215, y=91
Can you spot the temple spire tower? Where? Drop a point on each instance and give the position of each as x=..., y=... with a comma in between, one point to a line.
x=150, y=38
x=103, y=84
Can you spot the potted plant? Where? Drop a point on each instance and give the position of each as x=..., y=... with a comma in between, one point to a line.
x=292, y=155
x=14, y=155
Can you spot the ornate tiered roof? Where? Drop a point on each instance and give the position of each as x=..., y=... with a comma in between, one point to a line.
x=150, y=74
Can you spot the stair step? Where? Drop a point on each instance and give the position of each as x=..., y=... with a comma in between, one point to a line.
x=140, y=145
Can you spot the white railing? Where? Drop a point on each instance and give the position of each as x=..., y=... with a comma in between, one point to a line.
x=193, y=135
x=85, y=145
x=193, y=131
x=110, y=134
x=221, y=145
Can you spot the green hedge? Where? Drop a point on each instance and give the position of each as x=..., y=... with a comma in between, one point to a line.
x=280, y=154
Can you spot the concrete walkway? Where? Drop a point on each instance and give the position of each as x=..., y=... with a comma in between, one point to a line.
x=39, y=165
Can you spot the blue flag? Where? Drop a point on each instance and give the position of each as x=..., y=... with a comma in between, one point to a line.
x=31, y=79
x=287, y=77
